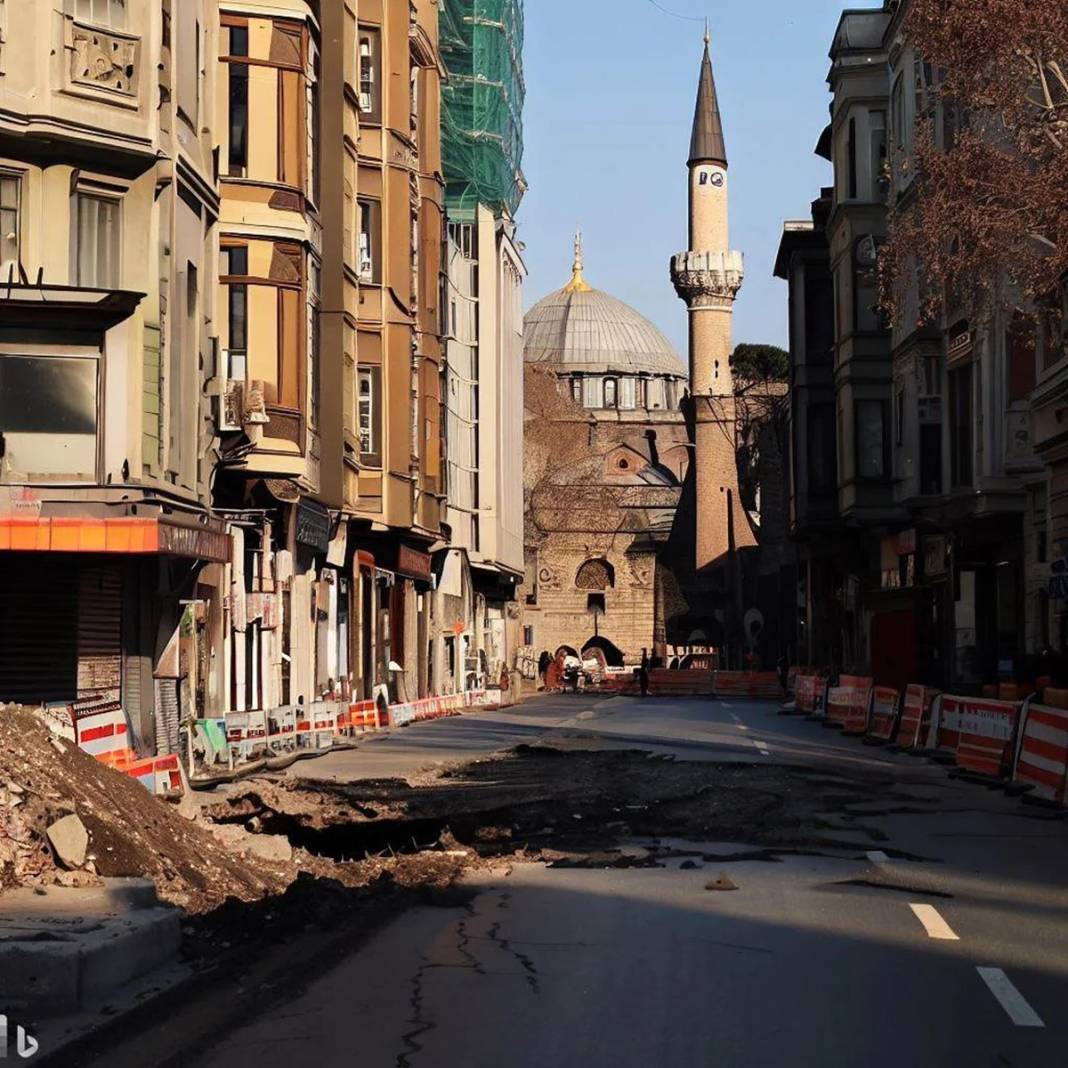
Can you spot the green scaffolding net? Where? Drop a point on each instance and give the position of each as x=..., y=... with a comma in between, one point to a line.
x=482, y=104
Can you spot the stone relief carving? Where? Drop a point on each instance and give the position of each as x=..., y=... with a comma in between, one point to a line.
x=103, y=60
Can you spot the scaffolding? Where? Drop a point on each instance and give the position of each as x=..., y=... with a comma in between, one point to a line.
x=482, y=105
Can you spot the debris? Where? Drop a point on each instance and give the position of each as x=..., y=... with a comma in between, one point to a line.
x=721, y=882
x=70, y=840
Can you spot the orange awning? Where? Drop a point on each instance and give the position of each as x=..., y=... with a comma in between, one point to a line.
x=127, y=534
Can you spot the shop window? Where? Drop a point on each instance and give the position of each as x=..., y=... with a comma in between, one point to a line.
x=95, y=224
x=48, y=417
x=10, y=224
x=960, y=426
x=871, y=440
x=370, y=75
x=369, y=416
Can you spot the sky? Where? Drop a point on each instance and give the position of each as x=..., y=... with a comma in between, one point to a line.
x=611, y=86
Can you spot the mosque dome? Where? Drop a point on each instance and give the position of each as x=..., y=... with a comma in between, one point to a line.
x=581, y=330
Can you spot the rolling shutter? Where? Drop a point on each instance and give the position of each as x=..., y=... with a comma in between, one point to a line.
x=99, y=631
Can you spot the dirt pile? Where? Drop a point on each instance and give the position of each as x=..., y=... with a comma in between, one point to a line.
x=44, y=778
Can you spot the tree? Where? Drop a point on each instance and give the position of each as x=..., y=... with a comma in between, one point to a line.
x=986, y=219
x=760, y=363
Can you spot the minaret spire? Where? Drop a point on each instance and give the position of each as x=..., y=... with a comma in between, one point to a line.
x=578, y=284
x=706, y=142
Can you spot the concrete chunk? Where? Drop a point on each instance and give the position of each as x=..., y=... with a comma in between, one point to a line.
x=69, y=840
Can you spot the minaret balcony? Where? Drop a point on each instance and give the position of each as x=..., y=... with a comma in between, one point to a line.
x=707, y=279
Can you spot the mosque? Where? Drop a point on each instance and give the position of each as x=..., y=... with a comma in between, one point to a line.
x=636, y=536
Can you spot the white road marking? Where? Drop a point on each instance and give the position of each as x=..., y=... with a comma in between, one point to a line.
x=933, y=923
x=877, y=856
x=1010, y=999
x=762, y=748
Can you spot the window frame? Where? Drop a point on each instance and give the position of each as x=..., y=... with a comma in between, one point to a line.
x=860, y=406
x=371, y=374
x=15, y=177
x=113, y=200
x=369, y=62
x=369, y=211
x=107, y=22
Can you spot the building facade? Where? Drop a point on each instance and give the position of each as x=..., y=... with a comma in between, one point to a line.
x=931, y=563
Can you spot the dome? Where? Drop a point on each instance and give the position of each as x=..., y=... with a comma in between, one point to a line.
x=582, y=329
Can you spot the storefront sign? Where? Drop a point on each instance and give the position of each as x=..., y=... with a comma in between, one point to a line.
x=313, y=525
x=960, y=348
x=412, y=562
x=934, y=556
x=194, y=542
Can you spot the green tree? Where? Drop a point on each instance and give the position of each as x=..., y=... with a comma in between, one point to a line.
x=760, y=363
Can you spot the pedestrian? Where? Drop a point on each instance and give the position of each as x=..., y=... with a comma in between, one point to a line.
x=642, y=672
x=543, y=667
x=784, y=672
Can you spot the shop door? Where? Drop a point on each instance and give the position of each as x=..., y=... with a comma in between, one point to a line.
x=893, y=648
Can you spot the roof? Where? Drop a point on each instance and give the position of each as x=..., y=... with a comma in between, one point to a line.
x=580, y=328
x=706, y=142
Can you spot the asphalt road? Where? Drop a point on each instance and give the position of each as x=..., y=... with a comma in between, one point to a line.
x=955, y=956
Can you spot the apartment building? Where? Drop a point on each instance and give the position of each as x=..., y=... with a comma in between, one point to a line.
x=109, y=210
x=932, y=563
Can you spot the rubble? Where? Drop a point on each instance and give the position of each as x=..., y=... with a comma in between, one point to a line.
x=70, y=841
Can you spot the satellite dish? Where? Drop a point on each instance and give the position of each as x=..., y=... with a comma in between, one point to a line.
x=754, y=624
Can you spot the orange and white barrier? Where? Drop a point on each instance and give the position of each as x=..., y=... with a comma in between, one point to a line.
x=984, y=730
x=810, y=692
x=848, y=703
x=1042, y=753
x=885, y=704
x=916, y=716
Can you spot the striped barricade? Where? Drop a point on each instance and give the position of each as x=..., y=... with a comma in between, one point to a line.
x=885, y=705
x=847, y=703
x=765, y=684
x=682, y=682
x=810, y=693
x=731, y=683
x=1042, y=753
x=916, y=711
x=985, y=731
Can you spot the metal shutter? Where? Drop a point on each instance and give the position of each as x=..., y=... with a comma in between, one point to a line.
x=99, y=630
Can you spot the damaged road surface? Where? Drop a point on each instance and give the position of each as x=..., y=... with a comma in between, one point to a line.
x=598, y=901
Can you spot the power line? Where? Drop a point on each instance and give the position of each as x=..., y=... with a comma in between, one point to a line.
x=675, y=14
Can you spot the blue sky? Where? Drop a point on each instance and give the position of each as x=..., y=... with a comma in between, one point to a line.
x=611, y=86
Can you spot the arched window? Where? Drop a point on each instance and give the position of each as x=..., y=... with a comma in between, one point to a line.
x=598, y=575
x=611, y=393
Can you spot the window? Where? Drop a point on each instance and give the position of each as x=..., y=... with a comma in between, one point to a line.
x=931, y=459
x=528, y=635
x=238, y=119
x=10, y=193
x=595, y=604
x=313, y=127
x=1020, y=343
x=234, y=266
x=851, y=152
x=611, y=393
x=898, y=113
x=48, y=417
x=877, y=155
x=576, y=390
x=367, y=253
x=899, y=416
x=641, y=393
x=238, y=40
x=871, y=440
x=95, y=241
x=595, y=575
x=822, y=470
x=314, y=284
x=110, y=13
x=370, y=101
x=368, y=420
x=960, y=426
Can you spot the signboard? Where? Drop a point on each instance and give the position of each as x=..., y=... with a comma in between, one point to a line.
x=195, y=542
x=412, y=562
x=313, y=525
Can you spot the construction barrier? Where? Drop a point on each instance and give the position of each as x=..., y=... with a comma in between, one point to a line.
x=810, y=692
x=915, y=716
x=746, y=684
x=848, y=703
x=1042, y=754
x=984, y=730
x=885, y=705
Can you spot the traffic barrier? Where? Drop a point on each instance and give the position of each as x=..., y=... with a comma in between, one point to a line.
x=1042, y=754
x=915, y=716
x=1055, y=698
x=688, y=682
x=848, y=703
x=809, y=693
x=885, y=706
x=985, y=731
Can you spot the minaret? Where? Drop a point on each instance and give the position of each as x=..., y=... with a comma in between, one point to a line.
x=708, y=278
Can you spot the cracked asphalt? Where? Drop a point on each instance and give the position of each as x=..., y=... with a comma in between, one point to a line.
x=929, y=930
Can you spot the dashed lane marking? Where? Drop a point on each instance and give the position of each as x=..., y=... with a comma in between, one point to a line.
x=762, y=749
x=1010, y=999
x=933, y=923
x=877, y=856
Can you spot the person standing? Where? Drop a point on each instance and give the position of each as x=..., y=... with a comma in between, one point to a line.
x=643, y=675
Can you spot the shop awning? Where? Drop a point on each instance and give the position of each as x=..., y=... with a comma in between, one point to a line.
x=126, y=534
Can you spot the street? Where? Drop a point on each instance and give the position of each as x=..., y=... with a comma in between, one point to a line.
x=938, y=938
